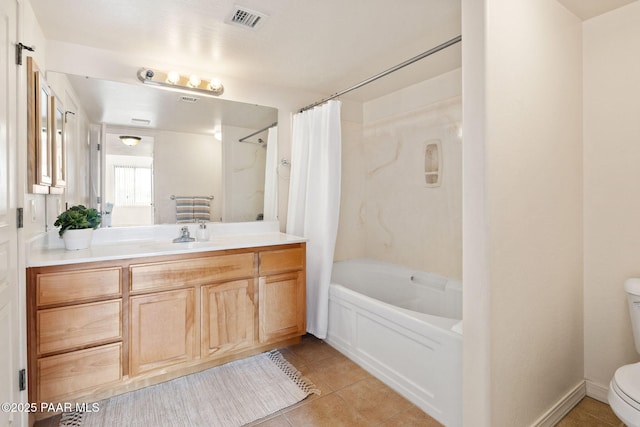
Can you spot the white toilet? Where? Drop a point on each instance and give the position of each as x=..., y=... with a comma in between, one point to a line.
x=624, y=390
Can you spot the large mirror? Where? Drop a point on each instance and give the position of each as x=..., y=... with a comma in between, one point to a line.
x=186, y=162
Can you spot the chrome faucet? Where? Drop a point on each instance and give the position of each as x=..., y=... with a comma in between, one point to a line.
x=184, y=236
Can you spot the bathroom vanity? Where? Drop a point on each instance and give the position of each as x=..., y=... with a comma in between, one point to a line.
x=101, y=323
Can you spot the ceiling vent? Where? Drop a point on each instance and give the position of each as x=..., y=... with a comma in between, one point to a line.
x=190, y=99
x=140, y=121
x=246, y=18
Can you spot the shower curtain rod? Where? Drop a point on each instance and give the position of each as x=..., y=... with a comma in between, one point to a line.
x=258, y=131
x=386, y=72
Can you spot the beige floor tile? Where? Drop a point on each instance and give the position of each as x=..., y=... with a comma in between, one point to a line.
x=311, y=349
x=292, y=358
x=328, y=411
x=337, y=372
x=279, y=421
x=412, y=417
x=599, y=410
x=590, y=413
x=373, y=400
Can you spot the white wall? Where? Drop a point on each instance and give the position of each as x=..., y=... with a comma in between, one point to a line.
x=611, y=183
x=528, y=254
x=387, y=210
x=185, y=164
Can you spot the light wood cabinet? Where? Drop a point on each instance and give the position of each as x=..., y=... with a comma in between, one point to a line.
x=197, y=271
x=75, y=330
x=66, y=328
x=282, y=294
x=162, y=330
x=104, y=328
x=70, y=375
x=54, y=286
x=227, y=318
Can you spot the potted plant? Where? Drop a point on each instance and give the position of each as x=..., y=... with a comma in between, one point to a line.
x=76, y=226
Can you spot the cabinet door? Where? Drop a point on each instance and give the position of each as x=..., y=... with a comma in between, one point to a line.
x=227, y=317
x=281, y=306
x=162, y=331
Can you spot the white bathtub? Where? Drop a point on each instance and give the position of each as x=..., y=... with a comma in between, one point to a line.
x=403, y=326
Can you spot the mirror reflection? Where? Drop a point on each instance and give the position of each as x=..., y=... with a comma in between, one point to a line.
x=186, y=162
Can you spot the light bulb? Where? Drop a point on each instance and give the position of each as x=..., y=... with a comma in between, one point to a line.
x=194, y=81
x=215, y=85
x=173, y=77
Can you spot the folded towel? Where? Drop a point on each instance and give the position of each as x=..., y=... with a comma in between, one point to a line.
x=192, y=209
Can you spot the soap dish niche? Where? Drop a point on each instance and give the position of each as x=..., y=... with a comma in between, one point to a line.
x=433, y=163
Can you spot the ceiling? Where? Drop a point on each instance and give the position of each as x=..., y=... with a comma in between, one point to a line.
x=586, y=9
x=320, y=46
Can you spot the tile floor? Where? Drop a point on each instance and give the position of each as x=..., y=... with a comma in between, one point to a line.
x=590, y=413
x=351, y=397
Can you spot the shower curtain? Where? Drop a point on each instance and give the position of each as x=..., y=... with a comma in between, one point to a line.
x=314, y=202
x=271, y=177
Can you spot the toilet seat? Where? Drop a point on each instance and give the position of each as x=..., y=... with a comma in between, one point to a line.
x=626, y=382
x=624, y=394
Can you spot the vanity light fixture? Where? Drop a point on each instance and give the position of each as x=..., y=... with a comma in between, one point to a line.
x=130, y=140
x=173, y=80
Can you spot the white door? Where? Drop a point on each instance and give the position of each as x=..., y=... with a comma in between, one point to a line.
x=9, y=313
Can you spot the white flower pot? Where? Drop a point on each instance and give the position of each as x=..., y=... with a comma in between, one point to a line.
x=77, y=239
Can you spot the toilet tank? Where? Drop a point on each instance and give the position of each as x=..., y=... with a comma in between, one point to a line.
x=632, y=287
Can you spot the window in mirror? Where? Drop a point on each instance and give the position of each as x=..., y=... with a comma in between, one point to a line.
x=129, y=198
x=58, y=143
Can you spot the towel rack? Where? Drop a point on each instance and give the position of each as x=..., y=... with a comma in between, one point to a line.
x=191, y=197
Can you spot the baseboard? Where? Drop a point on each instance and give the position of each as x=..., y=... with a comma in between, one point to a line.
x=598, y=392
x=562, y=408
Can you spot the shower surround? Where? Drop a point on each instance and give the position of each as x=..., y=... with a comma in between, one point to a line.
x=388, y=211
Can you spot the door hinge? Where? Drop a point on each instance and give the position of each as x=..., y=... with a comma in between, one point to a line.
x=19, y=48
x=20, y=217
x=22, y=379
x=98, y=147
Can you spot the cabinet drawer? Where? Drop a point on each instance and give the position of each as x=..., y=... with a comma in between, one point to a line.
x=77, y=373
x=282, y=260
x=196, y=271
x=79, y=325
x=74, y=286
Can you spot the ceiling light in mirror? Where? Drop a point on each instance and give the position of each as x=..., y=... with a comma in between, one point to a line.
x=130, y=140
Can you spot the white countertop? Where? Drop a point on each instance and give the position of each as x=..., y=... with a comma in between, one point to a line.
x=135, y=242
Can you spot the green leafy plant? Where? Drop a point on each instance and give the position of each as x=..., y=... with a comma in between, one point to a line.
x=77, y=218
